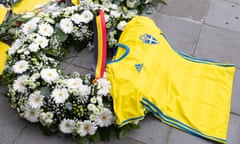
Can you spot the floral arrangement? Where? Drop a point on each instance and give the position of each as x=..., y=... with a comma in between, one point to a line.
x=40, y=91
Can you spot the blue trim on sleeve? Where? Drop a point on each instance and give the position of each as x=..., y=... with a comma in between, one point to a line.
x=123, y=56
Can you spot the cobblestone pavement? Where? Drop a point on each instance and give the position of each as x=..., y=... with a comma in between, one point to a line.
x=204, y=28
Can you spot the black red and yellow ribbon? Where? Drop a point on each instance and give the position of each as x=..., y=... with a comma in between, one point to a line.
x=100, y=45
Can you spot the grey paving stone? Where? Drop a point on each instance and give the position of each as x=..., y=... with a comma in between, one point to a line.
x=219, y=45
x=235, y=104
x=84, y=59
x=193, y=9
x=63, y=65
x=10, y=123
x=236, y=1
x=72, y=53
x=151, y=131
x=71, y=68
x=179, y=137
x=181, y=33
x=233, y=130
x=33, y=135
x=3, y=89
x=224, y=14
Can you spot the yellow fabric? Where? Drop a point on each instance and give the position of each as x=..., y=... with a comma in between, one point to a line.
x=76, y=2
x=28, y=5
x=185, y=92
x=3, y=12
x=3, y=56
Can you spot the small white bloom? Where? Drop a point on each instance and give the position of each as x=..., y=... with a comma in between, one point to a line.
x=93, y=100
x=91, y=107
x=49, y=75
x=86, y=127
x=84, y=90
x=66, y=126
x=35, y=76
x=36, y=99
x=33, y=47
x=74, y=83
x=41, y=40
x=15, y=46
x=115, y=13
x=45, y=29
x=28, y=15
x=86, y=16
x=60, y=95
x=20, y=66
x=18, y=84
x=121, y=25
x=104, y=118
x=66, y=25
x=76, y=18
x=103, y=86
x=29, y=27
x=31, y=114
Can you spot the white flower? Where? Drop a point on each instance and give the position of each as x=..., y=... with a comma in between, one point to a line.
x=35, y=76
x=76, y=18
x=20, y=66
x=45, y=29
x=16, y=45
x=103, y=86
x=46, y=118
x=18, y=84
x=104, y=118
x=41, y=40
x=86, y=127
x=33, y=47
x=74, y=83
x=115, y=13
x=91, y=107
x=66, y=126
x=121, y=25
x=84, y=90
x=29, y=27
x=60, y=95
x=36, y=99
x=28, y=15
x=86, y=16
x=49, y=75
x=66, y=25
x=31, y=114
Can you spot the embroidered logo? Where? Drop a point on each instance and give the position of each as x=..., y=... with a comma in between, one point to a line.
x=149, y=39
x=138, y=67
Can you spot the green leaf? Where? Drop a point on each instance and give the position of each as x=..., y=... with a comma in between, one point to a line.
x=61, y=36
x=82, y=140
x=96, y=137
x=134, y=126
x=123, y=133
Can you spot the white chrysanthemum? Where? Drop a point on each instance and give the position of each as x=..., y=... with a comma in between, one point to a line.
x=16, y=45
x=66, y=25
x=46, y=118
x=66, y=126
x=18, y=84
x=60, y=95
x=45, y=29
x=74, y=83
x=103, y=86
x=115, y=13
x=36, y=99
x=86, y=127
x=84, y=90
x=86, y=16
x=49, y=75
x=91, y=107
x=104, y=118
x=29, y=27
x=33, y=47
x=20, y=66
x=31, y=114
x=41, y=41
x=121, y=25
x=76, y=18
